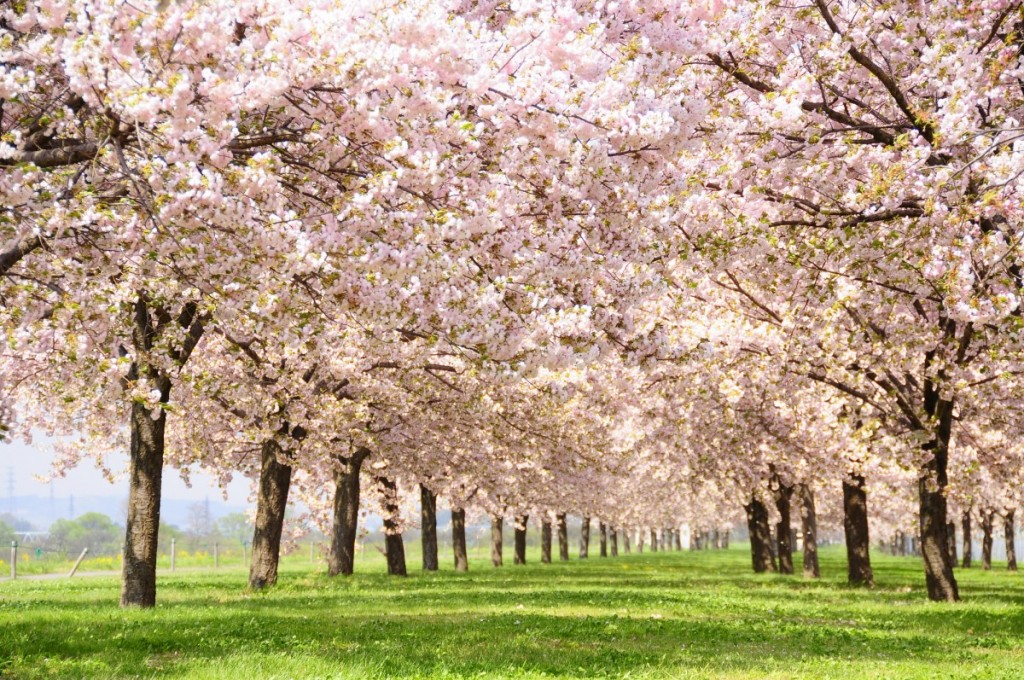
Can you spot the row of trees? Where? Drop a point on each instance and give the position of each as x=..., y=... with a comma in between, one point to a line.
x=646, y=263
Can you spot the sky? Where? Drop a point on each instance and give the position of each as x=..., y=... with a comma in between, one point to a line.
x=22, y=463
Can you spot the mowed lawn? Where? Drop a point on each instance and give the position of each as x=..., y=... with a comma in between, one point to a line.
x=666, y=615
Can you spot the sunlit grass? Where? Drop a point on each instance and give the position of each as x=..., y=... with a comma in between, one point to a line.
x=652, y=616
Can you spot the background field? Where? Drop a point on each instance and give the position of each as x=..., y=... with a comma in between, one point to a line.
x=664, y=615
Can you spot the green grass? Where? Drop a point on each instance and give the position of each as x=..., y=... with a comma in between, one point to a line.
x=667, y=615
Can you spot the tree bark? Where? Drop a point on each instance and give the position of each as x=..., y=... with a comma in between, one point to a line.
x=965, y=526
x=725, y=540
x=394, y=547
x=1009, y=530
x=602, y=529
x=654, y=540
x=951, y=541
x=563, y=537
x=146, y=449
x=520, y=540
x=496, y=541
x=678, y=538
x=783, y=503
x=760, y=536
x=341, y=558
x=627, y=548
x=932, y=482
x=584, y=538
x=459, y=539
x=855, y=524
x=138, y=571
x=613, y=541
x=271, y=502
x=640, y=541
x=986, y=539
x=428, y=528
x=545, y=541
x=809, y=522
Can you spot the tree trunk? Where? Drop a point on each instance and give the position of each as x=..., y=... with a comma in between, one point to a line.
x=394, y=547
x=932, y=482
x=275, y=478
x=855, y=523
x=809, y=522
x=520, y=540
x=783, y=503
x=138, y=571
x=585, y=538
x=496, y=541
x=725, y=540
x=986, y=539
x=459, y=539
x=1011, y=548
x=428, y=528
x=640, y=541
x=563, y=538
x=626, y=547
x=341, y=558
x=760, y=536
x=965, y=525
x=613, y=540
x=951, y=541
x=677, y=536
x=545, y=541
x=666, y=540
x=654, y=540
x=603, y=532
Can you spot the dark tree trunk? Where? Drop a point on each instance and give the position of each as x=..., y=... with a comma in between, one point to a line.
x=725, y=540
x=809, y=521
x=760, y=536
x=783, y=503
x=627, y=548
x=563, y=538
x=602, y=529
x=613, y=540
x=585, y=538
x=146, y=449
x=714, y=539
x=1011, y=548
x=394, y=547
x=545, y=541
x=520, y=540
x=640, y=541
x=677, y=537
x=951, y=541
x=341, y=557
x=428, y=524
x=666, y=540
x=968, y=539
x=932, y=482
x=275, y=478
x=459, y=539
x=654, y=540
x=138, y=571
x=986, y=539
x=496, y=541
x=855, y=523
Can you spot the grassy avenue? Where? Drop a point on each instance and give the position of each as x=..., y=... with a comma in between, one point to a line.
x=667, y=615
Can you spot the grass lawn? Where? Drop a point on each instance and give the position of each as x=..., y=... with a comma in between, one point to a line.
x=666, y=615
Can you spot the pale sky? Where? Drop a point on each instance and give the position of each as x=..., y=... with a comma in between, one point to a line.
x=24, y=462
